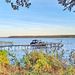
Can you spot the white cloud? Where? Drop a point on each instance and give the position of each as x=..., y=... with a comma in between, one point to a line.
x=34, y=28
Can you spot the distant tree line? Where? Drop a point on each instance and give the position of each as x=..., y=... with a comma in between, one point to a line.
x=68, y=4
x=44, y=36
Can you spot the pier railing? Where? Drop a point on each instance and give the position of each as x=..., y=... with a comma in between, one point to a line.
x=29, y=47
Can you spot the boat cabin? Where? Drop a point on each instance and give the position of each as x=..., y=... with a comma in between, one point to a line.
x=37, y=42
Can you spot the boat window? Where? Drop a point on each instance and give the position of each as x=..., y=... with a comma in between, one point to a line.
x=40, y=42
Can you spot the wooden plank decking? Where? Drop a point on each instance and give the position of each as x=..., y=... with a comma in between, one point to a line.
x=51, y=44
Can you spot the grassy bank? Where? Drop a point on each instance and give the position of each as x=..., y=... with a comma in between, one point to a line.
x=4, y=42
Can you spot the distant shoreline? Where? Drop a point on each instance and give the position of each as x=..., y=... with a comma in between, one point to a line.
x=44, y=36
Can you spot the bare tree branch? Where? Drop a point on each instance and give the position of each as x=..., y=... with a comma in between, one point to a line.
x=19, y=3
x=68, y=4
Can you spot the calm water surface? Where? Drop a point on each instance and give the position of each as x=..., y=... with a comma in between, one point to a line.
x=69, y=43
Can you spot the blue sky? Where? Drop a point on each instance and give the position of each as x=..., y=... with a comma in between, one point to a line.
x=44, y=17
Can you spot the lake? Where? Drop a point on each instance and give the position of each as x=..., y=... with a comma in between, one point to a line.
x=68, y=43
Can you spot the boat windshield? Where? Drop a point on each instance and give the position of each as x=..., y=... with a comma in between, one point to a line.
x=35, y=41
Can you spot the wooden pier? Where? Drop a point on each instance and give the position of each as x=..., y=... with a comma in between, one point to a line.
x=50, y=45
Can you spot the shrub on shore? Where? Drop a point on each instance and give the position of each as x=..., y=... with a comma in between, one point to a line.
x=35, y=63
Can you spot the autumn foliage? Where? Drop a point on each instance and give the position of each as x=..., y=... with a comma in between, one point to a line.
x=35, y=63
x=18, y=3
